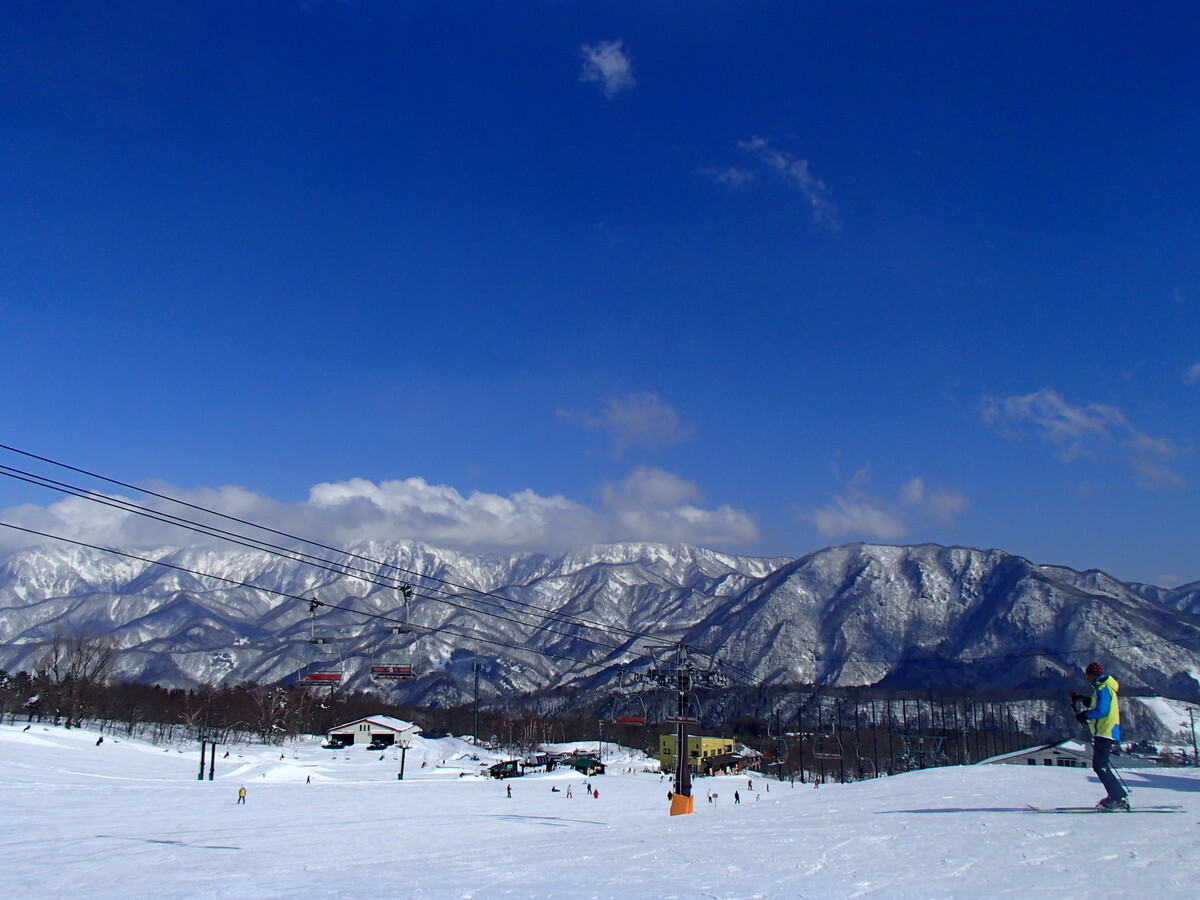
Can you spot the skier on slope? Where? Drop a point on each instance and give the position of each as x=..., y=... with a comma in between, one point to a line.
x=1101, y=713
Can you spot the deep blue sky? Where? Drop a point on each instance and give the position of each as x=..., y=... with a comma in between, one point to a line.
x=521, y=275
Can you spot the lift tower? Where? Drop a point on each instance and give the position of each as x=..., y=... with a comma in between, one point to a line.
x=682, y=676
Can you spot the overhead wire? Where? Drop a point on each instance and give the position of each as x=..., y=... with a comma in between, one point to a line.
x=461, y=591
x=442, y=600
x=339, y=568
x=429, y=630
x=486, y=596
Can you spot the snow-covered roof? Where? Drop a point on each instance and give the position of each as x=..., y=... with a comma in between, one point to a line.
x=1073, y=747
x=382, y=721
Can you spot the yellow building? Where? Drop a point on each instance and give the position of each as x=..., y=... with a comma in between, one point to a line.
x=700, y=749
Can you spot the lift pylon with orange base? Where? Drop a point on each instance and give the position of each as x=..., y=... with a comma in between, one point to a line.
x=681, y=805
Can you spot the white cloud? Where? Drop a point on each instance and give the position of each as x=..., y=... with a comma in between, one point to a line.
x=824, y=211
x=1192, y=376
x=650, y=504
x=858, y=516
x=654, y=505
x=857, y=512
x=1082, y=431
x=608, y=65
x=732, y=175
x=940, y=505
x=640, y=419
x=649, y=488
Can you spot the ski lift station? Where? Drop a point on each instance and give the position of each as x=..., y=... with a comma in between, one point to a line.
x=373, y=730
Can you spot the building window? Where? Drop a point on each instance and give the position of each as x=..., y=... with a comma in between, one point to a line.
x=1031, y=761
x=1047, y=762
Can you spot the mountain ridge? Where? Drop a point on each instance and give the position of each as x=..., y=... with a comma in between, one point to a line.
x=922, y=615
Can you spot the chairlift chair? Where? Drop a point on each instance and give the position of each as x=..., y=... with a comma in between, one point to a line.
x=631, y=710
x=322, y=673
x=386, y=666
x=827, y=746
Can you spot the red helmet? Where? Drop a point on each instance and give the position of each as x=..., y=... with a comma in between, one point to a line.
x=1093, y=671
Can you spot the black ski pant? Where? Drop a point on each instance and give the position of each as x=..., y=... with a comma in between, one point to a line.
x=1101, y=749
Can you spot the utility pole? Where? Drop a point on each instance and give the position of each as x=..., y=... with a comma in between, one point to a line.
x=475, y=667
x=1195, y=754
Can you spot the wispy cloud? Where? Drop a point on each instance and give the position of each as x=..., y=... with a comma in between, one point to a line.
x=608, y=65
x=1192, y=375
x=731, y=175
x=1083, y=431
x=650, y=504
x=641, y=419
x=938, y=504
x=858, y=512
x=824, y=210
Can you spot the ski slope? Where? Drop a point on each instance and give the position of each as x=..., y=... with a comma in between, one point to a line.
x=127, y=819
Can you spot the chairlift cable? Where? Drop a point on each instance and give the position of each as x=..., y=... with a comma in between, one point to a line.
x=310, y=560
x=342, y=569
x=438, y=631
x=381, y=564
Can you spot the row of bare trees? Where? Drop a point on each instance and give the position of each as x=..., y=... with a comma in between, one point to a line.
x=852, y=733
x=68, y=680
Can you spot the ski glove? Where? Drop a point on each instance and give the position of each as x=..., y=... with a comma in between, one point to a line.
x=1081, y=718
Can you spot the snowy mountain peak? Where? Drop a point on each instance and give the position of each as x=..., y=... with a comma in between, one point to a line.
x=921, y=615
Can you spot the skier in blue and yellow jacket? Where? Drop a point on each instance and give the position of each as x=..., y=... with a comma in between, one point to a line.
x=1102, y=715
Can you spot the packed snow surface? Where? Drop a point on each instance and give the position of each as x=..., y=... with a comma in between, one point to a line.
x=125, y=818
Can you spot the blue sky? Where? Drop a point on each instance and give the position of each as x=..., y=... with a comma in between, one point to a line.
x=764, y=277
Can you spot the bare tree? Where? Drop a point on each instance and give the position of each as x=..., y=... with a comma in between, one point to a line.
x=16, y=693
x=72, y=673
x=274, y=712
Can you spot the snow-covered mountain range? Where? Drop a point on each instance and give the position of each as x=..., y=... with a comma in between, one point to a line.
x=917, y=616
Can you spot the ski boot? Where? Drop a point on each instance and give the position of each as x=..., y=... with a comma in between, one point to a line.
x=1110, y=805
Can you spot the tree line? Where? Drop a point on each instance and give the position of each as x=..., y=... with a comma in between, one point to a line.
x=797, y=730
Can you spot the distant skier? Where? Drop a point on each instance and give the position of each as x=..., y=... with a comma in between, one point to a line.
x=736, y=798
x=242, y=794
x=508, y=787
x=1101, y=713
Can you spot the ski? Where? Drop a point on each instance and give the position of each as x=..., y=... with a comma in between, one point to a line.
x=1107, y=812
